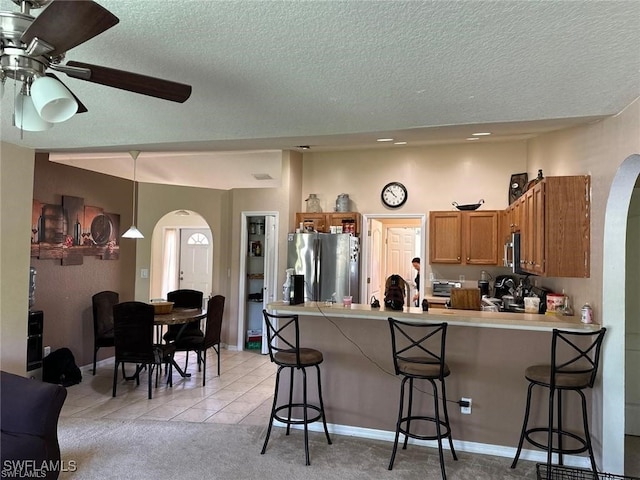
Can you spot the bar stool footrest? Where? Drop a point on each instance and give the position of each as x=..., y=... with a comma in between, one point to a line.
x=555, y=432
x=445, y=429
x=294, y=421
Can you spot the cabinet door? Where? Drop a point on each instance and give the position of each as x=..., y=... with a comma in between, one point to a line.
x=480, y=238
x=339, y=219
x=445, y=242
x=538, y=234
x=317, y=221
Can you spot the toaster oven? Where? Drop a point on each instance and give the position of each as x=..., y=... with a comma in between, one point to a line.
x=443, y=288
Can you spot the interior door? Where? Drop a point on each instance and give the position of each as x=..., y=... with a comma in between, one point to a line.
x=401, y=248
x=196, y=248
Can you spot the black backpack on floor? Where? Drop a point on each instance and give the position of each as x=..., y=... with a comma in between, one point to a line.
x=60, y=367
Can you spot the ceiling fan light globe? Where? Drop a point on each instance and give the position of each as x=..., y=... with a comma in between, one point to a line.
x=53, y=101
x=133, y=232
x=26, y=117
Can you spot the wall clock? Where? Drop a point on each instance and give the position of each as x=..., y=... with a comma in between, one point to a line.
x=394, y=195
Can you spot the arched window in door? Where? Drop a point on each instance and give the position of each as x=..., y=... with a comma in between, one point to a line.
x=198, y=239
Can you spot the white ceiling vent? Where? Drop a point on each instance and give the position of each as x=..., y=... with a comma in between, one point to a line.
x=262, y=176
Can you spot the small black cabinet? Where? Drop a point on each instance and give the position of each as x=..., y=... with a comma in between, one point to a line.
x=34, y=340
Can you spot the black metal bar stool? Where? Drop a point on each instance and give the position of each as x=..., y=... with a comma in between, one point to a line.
x=418, y=354
x=574, y=365
x=283, y=340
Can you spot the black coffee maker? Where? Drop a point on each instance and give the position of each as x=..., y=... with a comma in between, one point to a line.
x=504, y=285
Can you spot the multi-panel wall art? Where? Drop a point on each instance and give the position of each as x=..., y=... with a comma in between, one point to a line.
x=73, y=230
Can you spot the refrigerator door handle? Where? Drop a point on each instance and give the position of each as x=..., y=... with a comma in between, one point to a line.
x=318, y=274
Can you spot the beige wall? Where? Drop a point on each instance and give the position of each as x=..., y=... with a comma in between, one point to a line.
x=434, y=176
x=16, y=187
x=64, y=293
x=285, y=201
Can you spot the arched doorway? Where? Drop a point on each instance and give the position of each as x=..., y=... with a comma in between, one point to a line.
x=180, y=234
x=617, y=270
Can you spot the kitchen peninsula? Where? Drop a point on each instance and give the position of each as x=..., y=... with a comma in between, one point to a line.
x=486, y=351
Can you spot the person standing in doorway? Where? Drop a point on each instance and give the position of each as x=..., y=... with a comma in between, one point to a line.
x=416, y=264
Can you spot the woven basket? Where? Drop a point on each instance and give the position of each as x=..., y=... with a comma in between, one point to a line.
x=162, y=307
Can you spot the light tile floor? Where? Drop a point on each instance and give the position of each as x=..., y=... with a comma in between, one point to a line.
x=241, y=394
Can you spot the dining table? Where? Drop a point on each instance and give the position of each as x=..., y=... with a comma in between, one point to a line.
x=180, y=316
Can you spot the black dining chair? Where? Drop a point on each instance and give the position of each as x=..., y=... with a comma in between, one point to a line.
x=184, y=298
x=102, y=304
x=133, y=339
x=211, y=339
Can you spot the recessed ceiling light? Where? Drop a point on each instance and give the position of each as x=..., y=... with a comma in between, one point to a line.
x=481, y=134
x=399, y=143
x=303, y=147
x=473, y=138
x=385, y=140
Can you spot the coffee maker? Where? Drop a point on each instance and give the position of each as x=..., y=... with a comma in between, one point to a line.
x=504, y=285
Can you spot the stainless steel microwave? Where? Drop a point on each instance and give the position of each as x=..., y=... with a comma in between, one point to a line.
x=512, y=254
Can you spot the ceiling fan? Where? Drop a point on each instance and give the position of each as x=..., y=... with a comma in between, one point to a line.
x=32, y=46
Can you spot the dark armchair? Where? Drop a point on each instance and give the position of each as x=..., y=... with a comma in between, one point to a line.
x=30, y=410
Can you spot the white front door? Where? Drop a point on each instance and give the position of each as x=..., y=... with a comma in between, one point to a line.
x=196, y=247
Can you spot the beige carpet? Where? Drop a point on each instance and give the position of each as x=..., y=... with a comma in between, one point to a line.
x=140, y=450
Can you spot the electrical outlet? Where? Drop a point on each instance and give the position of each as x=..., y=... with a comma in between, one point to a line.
x=466, y=410
x=47, y=351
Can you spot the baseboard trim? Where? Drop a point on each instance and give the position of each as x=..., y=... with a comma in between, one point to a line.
x=459, y=445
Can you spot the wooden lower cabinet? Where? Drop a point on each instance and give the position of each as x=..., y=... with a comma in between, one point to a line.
x=464, y=238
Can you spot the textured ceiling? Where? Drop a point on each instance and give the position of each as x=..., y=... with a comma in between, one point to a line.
x=338, y=74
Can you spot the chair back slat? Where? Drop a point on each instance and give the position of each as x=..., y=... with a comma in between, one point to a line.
x=185, y=298
x=283, y=335
x=102, y=306
x=213, y=327
x=133, y=332
x=419, y=343
x=576, y=353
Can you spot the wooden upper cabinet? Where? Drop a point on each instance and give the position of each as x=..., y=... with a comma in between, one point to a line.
x=321, y=222
x=464, y=238
x=445, y=237
x=480, y=234
x=555, y=233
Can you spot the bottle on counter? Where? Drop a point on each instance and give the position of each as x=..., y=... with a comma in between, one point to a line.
x=567, y=309
x=587, y=314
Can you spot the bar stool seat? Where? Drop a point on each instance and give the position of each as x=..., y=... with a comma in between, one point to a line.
x=418, y=354
x=283, y=340
x=574, y=365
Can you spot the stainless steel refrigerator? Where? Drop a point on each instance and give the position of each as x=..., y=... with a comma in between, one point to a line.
x=329, y=262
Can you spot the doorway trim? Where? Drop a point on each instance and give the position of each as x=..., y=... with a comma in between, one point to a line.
x=613, y=313
x=365, y=260
x=271, y=277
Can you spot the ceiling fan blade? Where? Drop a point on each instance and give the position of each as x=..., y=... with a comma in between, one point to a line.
x=81, y=107
x=134, y=82
x=66, y=24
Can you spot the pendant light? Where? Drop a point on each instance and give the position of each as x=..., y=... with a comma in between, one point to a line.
x=133, y=232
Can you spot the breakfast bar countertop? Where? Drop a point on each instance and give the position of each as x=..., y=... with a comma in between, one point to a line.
x=464, y=318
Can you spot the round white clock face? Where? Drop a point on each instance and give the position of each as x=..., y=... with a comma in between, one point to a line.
x=394, y=194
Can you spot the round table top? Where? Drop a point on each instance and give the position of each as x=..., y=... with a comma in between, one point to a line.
x=178, y=316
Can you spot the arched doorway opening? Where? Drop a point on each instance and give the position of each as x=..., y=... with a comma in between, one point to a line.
x=619, y=276
x=181, y=254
